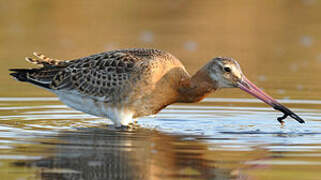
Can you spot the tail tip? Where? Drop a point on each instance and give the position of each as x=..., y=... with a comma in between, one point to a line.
x=20, y=76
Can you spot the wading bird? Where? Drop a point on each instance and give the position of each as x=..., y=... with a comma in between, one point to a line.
x=130, y=83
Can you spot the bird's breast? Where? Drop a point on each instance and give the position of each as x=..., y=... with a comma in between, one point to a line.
x=157, y=89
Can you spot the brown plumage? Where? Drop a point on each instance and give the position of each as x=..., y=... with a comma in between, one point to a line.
x=128, y=83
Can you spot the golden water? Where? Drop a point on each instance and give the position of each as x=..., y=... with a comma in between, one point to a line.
x=228, y=136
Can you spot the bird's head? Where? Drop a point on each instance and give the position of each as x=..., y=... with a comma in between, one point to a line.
x=226, y=72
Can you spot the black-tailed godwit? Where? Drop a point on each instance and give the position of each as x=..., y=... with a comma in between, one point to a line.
x=130, y=83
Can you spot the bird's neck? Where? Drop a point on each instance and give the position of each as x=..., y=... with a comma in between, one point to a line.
x=196, y=88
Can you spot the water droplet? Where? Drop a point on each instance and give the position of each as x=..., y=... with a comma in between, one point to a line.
x=110, y=46
x=299, y=87
x=294, y=67
x=94, y=163
x=306, y=41
x=287, y=98
x=262, y=78
x=280, y=91
x=147, y=36
x=308, y=2
x=190, y=45
x=319, y=58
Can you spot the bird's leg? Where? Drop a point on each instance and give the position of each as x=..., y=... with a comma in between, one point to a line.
x=133, y=125
x=124, y=127
x=130, y=126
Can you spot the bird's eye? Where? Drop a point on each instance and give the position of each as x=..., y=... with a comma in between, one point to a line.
x=227, y=69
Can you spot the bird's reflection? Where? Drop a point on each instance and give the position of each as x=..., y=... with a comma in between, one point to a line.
x=95, y=153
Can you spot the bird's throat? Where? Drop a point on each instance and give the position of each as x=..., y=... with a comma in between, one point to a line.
x=196, y=88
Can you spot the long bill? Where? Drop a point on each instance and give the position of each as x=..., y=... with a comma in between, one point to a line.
x=247, y=86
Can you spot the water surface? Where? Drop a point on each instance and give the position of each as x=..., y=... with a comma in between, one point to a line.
x=42, y=139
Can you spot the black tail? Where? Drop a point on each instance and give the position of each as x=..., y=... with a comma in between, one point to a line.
x=25, y=75
x=20, y=74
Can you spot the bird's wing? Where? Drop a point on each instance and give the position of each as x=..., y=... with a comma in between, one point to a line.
x=100, y=75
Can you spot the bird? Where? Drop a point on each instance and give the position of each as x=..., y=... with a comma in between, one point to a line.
x=125, y=84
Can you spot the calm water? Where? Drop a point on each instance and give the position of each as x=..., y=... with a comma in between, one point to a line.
x=216, y=139
x=229, y=135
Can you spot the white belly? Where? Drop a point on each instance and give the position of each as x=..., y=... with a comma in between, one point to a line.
x=119, y=115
